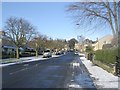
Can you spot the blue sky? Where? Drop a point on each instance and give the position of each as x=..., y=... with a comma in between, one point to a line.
x=50, y=19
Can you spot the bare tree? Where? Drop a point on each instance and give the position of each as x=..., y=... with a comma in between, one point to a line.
x=116, y=40
x=37, y=43
x=60, y=44
x=96, y=12
x=19, y=31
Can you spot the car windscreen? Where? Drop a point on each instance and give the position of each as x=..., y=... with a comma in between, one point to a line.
x=47, y=51
x=82, y=56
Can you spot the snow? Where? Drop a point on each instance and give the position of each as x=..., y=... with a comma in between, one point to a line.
x=26, y=59
x=75, y=64
x=79, y=77
x=74, y=85
x=102, y=79
x=84, y=80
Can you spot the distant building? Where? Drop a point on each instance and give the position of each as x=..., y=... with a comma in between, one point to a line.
x=102, y=41
x=82, y=46
x=88, y=42
x=66, y=47
x=78, y=46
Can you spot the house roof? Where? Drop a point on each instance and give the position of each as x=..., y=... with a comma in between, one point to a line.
x=106, y=37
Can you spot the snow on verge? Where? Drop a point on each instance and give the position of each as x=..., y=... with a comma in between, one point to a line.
x=28, y=59
x=102, y=79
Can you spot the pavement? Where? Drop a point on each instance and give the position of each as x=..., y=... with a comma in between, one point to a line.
x=101, y=78
x=66, y=71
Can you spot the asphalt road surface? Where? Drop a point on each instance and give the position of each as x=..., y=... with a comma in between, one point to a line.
x=66, y=71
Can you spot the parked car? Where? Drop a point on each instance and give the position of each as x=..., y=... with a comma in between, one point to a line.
x=62, y=52
x=47, y=54
x=58, y=53
x=82, y=56
x=76, y=53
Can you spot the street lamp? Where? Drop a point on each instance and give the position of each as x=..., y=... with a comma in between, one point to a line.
x=81, y=39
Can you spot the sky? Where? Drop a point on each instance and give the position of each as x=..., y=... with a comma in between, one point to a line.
x=49, y=18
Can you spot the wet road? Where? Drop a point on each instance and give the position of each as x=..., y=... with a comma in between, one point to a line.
x=66, y=71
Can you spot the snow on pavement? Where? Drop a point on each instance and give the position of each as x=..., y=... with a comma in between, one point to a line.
x=102, y=79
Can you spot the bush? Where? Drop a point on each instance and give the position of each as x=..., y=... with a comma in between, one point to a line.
x=107, y=56
x=89, y=49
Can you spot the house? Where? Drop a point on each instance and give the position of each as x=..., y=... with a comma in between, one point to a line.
x=66, y=47
x=89, y=42
x=78, y=46
x=6, y=45
x=102, y=41
x=82, y=46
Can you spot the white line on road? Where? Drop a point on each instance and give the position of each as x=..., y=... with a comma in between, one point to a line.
x=26, y=65
x=18, y=71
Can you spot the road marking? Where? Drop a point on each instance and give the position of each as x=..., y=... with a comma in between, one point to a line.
x=26, y=65
x=36, y=64
x=18, y=71
x=72, y=73
x=72, y=80
x=24, y=68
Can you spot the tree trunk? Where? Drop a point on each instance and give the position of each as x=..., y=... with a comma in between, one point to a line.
x=17, y=52
x=36, y=53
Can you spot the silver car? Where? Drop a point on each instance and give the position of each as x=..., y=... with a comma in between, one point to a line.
x=47, y=54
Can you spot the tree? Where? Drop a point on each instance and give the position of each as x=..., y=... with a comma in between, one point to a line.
x=60, y=44
x=116, y=40
x=119, y=24
x=55, y=44
x=89, y=49
x=99, y=12
x=72, y=43
x=19, y=31
x=37, y=43
x=81, y=39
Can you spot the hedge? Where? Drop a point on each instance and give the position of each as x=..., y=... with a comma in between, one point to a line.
x=107, y=56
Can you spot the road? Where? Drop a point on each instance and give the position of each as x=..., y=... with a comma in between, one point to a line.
x=66, y=71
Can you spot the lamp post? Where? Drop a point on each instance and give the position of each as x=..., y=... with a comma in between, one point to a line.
x=81, y=39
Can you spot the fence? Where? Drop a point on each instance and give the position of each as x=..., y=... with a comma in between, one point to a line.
x=117, y=66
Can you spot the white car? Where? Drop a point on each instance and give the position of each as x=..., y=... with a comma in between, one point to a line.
x=82, y=56
x=47, y=54
x=76, y=53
